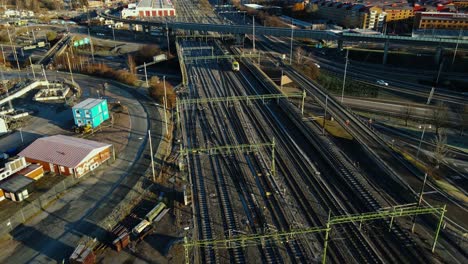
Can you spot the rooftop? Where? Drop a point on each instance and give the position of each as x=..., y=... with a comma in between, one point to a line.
x=15, y=183
x=88, y=103
x=155, y=4
x=63, y=150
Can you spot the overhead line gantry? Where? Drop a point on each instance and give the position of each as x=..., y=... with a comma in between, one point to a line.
x=248, y=98
x=229, y=149
x=385, y=213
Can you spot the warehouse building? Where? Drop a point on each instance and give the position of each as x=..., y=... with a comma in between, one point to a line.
x=91, y=112
x=150, y=9
x=67, y=155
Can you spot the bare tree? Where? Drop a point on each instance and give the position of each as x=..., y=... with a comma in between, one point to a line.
x=131, y=64
x=439, y=117
x=463, y=115
x=407, y=112
x=300, y=52
x=440, y=149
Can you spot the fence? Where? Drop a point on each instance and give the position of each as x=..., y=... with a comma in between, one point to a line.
x=34, y=207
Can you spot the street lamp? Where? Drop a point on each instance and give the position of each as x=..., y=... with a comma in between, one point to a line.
x=291, y=49
x=113, y=35
x=423, y=127
x=344, y=77
x=253, y=29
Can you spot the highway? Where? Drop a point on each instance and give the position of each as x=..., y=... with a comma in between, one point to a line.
x=286, y=32
x=369, y=74
x=52, y=235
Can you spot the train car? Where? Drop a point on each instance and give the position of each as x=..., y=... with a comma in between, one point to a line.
x=155, y=212
x=235, y=66
x=140, y=227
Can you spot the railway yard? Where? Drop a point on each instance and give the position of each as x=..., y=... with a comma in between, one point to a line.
x=268, y=183
x=257, y=168
x=249, y=159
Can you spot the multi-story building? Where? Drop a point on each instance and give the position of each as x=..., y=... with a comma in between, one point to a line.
x=460, y=3
x=440, y=20
x=349, y=15
x=90, y=112
x=397, y=13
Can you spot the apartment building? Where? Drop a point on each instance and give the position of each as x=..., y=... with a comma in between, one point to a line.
x=440, y=20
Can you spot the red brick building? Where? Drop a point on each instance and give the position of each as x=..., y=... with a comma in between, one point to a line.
x=67, y=155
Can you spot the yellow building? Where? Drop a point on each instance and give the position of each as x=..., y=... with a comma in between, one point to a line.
x=440, y=20
x=460, y=3
x=398, y=13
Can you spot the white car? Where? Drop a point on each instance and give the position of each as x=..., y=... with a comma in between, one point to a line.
x=382, y=82
x=317, y=65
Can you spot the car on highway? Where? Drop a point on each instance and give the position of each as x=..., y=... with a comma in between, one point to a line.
x=382, y=82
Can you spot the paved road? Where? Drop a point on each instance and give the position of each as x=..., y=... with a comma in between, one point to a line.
x=53, y=234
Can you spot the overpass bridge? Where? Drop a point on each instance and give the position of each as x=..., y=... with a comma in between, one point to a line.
x=298, y=33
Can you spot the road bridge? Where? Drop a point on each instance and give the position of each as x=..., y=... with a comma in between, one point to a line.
x=298, y=33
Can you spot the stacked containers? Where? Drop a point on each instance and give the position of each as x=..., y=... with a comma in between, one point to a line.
x=91, y=112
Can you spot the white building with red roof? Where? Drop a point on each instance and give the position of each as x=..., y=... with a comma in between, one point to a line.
x=67, y=155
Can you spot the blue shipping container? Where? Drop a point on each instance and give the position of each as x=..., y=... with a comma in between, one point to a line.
x=91, y=112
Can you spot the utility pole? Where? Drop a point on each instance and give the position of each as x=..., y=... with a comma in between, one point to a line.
x=420, y=140
x=167, y=37
x=165, y=104
x=146, y=75
x=3, y=53
x=281, y=80
x=15, y=55
x=90, y=42
x=21, y=135
x=32, y=68
x=291, y=50
x=344, y=77
x=419, y=201
x=253, y=24
x=325, y=115
x=34, y=36
x=456, y=46
x=45, y=77
x=113, y=36
x=151, y=153
x=69, y=67
x=436, y=83
x=10, y=104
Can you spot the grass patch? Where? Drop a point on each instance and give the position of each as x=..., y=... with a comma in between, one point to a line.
x=442, y=184
x=334, y=84
x=334, y=128
x=452, y=190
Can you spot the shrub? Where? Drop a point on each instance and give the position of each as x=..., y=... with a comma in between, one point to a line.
x=156, y=90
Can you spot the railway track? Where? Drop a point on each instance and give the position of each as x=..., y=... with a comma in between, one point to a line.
x=367, y=199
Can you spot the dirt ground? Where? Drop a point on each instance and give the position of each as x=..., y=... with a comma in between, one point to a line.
x=116, y=132
x=164, y=243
